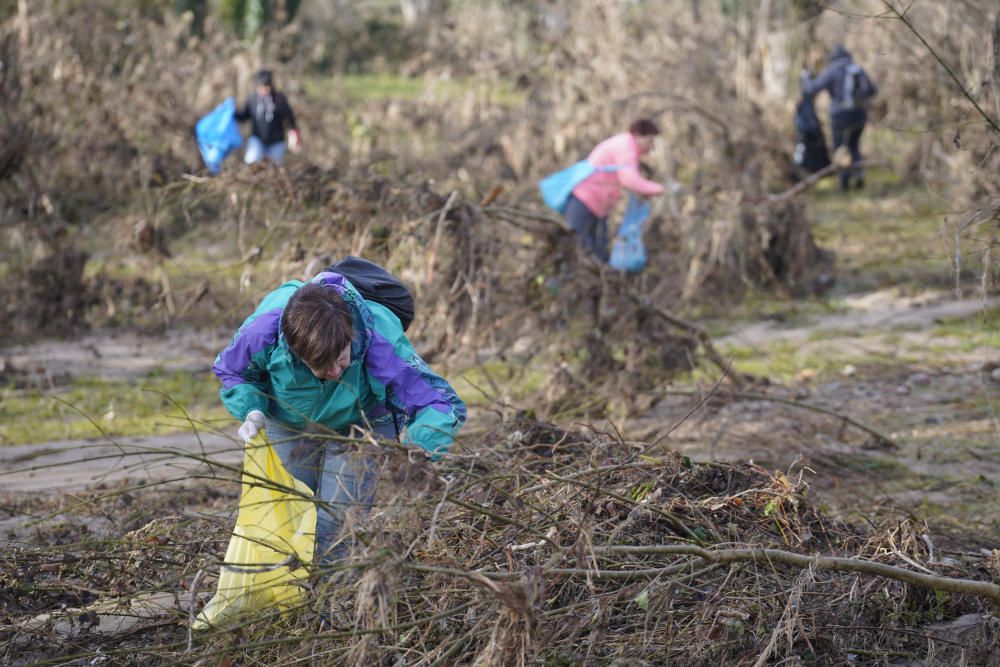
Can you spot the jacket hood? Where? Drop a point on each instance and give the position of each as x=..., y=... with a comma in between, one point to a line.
x=838, y=52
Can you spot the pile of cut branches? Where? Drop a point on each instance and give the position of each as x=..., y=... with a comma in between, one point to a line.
x=530, y=543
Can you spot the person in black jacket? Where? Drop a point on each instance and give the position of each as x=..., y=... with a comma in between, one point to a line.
x=270, y=114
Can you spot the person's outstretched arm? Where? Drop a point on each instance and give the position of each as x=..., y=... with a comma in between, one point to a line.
x=240, y=367
x=286, y=111
x=810, y=86
x=242, y=113
x=630, y=179
x=434, y=412
x=294, y=138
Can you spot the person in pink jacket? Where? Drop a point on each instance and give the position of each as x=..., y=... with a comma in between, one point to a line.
x=592, y=200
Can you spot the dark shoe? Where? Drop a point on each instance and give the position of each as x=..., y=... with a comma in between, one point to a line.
x=860, y=185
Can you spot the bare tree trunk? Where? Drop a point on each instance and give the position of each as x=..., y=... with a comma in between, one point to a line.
x=24, y=32
x=764, y=19
x=280, y=12
x=778, y=49
x=24, y=42
x=996, y=65
x=417, y=12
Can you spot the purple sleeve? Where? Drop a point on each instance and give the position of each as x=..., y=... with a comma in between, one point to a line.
x=434, y=412
x=408, y=380
x=244, y=380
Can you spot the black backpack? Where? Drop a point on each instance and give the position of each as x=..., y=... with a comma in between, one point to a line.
x=858, y=88
x=378, y=285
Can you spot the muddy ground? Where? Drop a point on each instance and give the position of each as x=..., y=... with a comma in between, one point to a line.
x=933, y=396
x=936, y=403
x=933, y=465
x=858, y=418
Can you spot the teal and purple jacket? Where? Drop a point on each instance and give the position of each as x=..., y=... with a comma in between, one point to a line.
x=259, y=372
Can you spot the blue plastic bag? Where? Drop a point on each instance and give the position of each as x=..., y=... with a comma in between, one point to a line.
x=556, y=188
x=218, y=135
x=628, y=253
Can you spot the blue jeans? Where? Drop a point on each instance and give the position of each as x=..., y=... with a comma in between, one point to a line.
x=342, y=479
x=591, y=231
x=257, y=150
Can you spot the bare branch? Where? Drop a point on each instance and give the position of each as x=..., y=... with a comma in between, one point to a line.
x=902, y=17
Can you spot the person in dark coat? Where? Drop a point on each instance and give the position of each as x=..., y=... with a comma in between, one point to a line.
x=810, y=146
x=270, y=114
x=850, y=91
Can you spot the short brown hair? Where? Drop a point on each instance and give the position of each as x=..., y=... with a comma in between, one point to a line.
x=317, y=324
x=644, y=127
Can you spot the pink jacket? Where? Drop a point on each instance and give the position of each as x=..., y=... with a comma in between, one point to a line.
x=600, y=191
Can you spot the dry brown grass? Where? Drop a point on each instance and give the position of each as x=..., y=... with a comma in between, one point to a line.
x=507, y=553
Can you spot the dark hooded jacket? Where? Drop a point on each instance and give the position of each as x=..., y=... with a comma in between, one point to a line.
x=270, y=116
x=832, y=79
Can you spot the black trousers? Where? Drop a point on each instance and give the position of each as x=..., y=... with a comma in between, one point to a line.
x=591, y=231
x=847, y=128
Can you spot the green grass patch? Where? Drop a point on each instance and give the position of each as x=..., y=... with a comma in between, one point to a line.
x=884, y=466
x=980, y=330
x=762, y=305
x=154, y=405
x=887, y=235
x=792, y=361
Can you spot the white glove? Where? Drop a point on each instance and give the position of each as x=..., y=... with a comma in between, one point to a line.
x=252, y=426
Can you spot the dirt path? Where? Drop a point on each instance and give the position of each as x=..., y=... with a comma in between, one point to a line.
x=72, y=465
x=930, y=395
x=114, y=356
x=877, y=311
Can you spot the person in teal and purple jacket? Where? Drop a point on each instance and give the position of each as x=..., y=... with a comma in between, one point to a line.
x=315, y=360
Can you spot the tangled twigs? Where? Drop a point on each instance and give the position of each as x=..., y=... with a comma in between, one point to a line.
x=481, y=577
x=983, y=589
x=901, y=16
x=699, y=334
x=530, y=539
x=676, y=523
x=436, y=244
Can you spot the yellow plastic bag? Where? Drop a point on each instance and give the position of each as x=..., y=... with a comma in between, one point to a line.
x=275, y=531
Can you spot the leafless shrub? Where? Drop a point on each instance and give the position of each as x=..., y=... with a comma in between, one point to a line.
x=554, y=545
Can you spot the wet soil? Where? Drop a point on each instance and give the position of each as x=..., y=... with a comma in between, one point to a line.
x=938, y=409
x=935, y=398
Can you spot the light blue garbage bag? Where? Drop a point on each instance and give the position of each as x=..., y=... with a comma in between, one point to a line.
x=556, y=188
x=218, y=135
x=628, y=253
